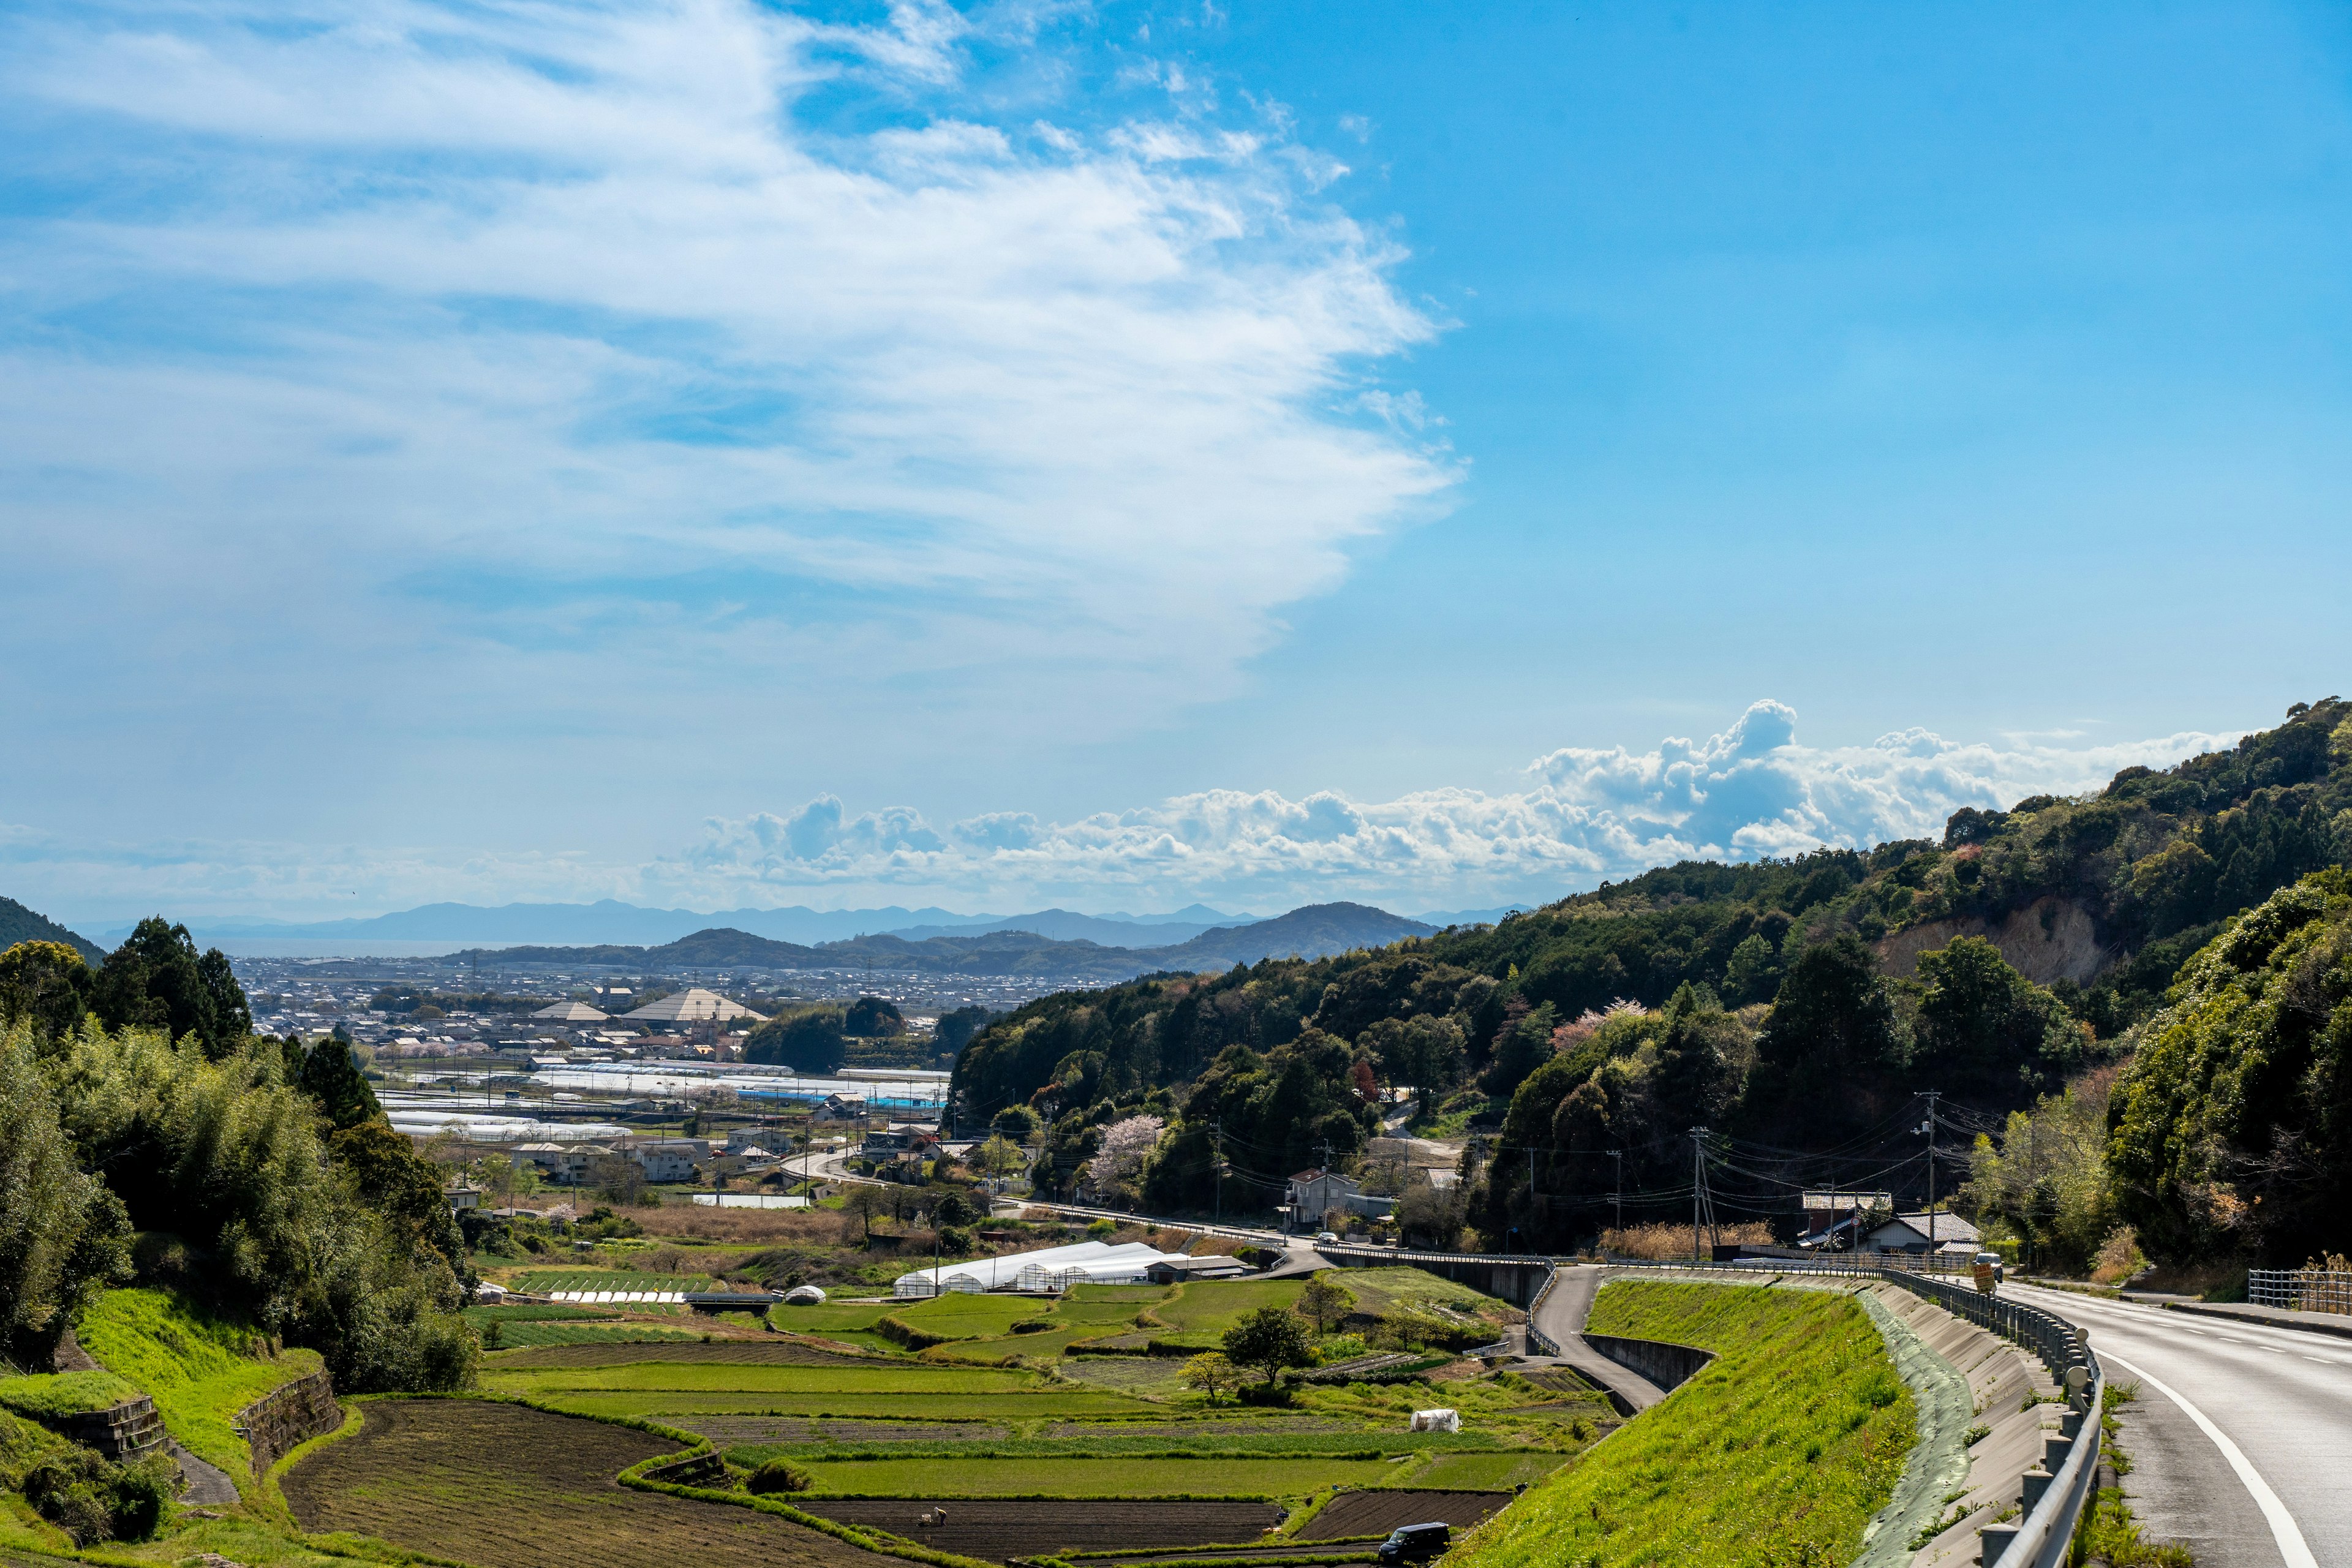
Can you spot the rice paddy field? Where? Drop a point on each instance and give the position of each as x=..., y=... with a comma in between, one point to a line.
x=976, y=1404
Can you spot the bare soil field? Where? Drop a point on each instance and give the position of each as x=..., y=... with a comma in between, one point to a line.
x=1378, y=1512
x=736, y=1353
x=995, y=1529
x=507, y=1487
x=730, y=1431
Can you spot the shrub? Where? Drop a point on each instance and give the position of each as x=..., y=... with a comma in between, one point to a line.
x=93, y=1501
x=779, y=1476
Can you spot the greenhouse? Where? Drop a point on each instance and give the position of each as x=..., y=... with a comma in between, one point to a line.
x=1052, y=1268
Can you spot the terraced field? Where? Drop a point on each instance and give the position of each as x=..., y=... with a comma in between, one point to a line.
x=504, y=1487
x=995, y=1529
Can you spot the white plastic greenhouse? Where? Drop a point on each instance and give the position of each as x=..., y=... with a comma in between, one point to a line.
x=1051, y=1269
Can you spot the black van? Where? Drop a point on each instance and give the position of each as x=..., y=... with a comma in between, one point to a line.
x=1416, y=1543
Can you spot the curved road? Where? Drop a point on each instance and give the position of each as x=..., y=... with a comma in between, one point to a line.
x=2241, y=1440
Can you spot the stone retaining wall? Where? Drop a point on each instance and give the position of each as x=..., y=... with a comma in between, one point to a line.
x=281, y=1421
x=128, y=1431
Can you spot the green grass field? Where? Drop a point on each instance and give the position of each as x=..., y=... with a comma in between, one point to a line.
x=514, y=1335
x=1213, y=1306
x=904, y=1377
x=1044, y=1405
x=1064, y=1477
x=199, y=1372
x=830, y=1317
x=536, y=1312
x=1778, y=1453
x=1377, y=1290
x=962, y=1316
x=547, y=1281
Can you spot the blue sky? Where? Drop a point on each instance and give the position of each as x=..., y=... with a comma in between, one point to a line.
x=710, y=453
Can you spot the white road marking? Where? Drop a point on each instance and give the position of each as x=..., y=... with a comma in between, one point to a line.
x=2283, y=1526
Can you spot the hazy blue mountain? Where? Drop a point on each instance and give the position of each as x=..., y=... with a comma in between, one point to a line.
x=609, y=922
x=1310, y=932
x=1065, y=925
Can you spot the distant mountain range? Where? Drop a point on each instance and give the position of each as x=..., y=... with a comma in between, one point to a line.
x=609, y=922
x=1309, y=932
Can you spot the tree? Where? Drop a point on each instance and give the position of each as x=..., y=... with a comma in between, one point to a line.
x=2230, y=1130
x=1324, y=1304
x=1119, y=1159
x=157, y=980
x=328, y=1074
x=1270, y=1339
x=958, y=1026
x=873, y=1018
x=64, y=1236
x=866, y=1200
x=1834, y=1030
x=1983, y=1025
x=808, y=1040
x=1212, y=1372
x=1017, y=1122
x=999, y=1157
x=1523, y=1045
x=47, y=985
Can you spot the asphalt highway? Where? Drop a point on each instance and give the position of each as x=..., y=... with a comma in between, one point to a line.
x=2241, y=1441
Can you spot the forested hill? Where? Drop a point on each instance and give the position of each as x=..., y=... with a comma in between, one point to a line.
x=1794, y=1005
x=19, y=924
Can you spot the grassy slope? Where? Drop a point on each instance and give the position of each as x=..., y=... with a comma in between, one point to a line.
x=903, y=1406
x=198, y=1370
x=1777, y=1454
x=1377, y=1290
x=50, y=1396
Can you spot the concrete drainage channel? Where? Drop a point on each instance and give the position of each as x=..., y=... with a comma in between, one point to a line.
x=2052, y=1488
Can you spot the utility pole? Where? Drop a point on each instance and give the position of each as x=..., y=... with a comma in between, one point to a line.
x=1698, y=1186
x=1928, y=1127
x=1618, y=1157
x=1217, y=1164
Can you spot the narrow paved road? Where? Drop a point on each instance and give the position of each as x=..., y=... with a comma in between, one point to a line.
x=2241, y=1440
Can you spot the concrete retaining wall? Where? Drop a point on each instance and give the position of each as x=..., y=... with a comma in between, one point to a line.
x=1668, y=1365
x=128, y=1431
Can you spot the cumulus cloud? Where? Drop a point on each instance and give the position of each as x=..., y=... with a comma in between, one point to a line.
x=1585, y=815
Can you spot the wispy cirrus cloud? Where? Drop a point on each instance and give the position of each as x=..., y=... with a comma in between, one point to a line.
x=1585, y=815
x=515, y=349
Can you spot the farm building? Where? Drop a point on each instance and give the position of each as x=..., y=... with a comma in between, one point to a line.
x=1048, y=1269
x=1177, y=1270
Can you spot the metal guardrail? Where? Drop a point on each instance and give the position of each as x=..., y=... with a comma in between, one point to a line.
x=2300, y=1289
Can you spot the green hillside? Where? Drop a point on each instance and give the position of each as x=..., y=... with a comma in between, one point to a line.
x=19, y=924
x=1795, y=1006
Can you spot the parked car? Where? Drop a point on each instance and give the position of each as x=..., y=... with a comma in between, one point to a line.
x=1416, y=1543
x=1326, y=1238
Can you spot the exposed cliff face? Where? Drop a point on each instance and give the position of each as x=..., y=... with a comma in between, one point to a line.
x=2048, y=940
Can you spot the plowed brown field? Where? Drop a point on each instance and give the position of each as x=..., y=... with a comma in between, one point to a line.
x=734, y=1352
x=505, y=1487
x=1000, y=1527
x=1382, y=1509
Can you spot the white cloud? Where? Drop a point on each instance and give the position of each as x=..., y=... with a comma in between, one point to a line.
x=1585, y=815
x=570, y=307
